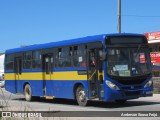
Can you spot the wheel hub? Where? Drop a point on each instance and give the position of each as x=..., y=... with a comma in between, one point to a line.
x=81, y=96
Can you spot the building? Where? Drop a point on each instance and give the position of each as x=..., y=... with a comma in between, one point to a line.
x=2, y=56
x=154, y=43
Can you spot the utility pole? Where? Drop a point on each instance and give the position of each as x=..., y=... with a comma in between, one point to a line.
x=119, y=16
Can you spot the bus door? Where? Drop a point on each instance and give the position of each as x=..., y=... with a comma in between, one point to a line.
x=92, y=73
x=18, y=72
x=47, y=73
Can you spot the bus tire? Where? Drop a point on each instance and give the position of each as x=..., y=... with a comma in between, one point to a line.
x=81, y=96
x=121, y=101
x=28, y=93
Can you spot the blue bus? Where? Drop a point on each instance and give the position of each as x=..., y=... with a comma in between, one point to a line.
x=107, y=67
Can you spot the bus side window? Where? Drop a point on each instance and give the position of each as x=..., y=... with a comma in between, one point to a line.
x=58, y=57
x=27, y=60
x=9, y=61
x=64, y=57
x=36, y=60
x=79, y=56
x=75, y=57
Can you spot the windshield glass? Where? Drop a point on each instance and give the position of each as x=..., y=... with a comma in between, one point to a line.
x=128, y=61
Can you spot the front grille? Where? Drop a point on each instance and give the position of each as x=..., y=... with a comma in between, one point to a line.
x=131, y=81
x=132, y=93
x=132, y=87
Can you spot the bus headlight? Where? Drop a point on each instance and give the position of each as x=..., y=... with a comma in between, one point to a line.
x=112, y=85
x=148, y=84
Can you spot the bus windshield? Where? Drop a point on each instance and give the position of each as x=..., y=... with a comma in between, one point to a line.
x=128, y=62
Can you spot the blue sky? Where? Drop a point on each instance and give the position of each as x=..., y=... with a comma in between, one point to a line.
x=27, y=22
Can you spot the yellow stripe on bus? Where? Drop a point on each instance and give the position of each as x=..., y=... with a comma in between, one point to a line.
x=72, y=75
x=68, y=76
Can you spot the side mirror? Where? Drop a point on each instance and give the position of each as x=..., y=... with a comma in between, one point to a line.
x=102, y=55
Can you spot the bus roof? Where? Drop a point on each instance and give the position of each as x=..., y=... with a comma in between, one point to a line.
x=68, y=42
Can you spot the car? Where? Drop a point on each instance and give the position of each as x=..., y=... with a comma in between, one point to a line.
x=2, y=81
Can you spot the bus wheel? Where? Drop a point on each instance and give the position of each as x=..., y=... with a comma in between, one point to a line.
x=121, y=101
x=81, y=96
x=28, y=92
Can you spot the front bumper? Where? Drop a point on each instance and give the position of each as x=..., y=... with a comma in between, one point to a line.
x=112, y=95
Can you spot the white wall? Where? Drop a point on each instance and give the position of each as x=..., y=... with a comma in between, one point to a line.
x=2, y=62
